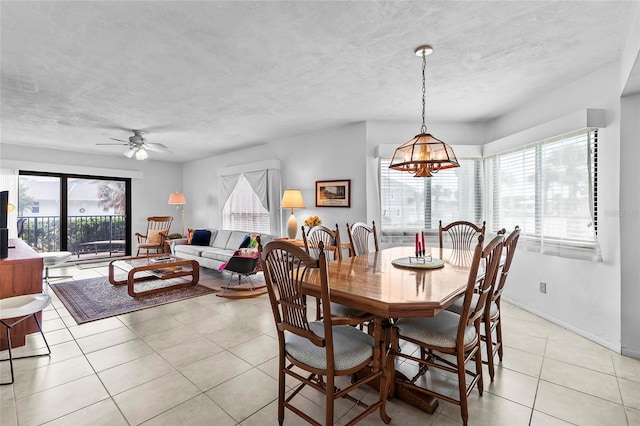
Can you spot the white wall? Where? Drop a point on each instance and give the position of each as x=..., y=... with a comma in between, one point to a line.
x=630, y=224
x=149, y=194
x=332, y=154
x=581, y=295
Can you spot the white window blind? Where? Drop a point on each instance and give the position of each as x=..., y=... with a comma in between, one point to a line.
x=411, y=204
x=549, y=189
x=244, y=211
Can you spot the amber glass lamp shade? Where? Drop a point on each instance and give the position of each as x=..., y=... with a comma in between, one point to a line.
x=423, y=156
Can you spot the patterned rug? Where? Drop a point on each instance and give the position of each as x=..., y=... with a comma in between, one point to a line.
x=95, y=298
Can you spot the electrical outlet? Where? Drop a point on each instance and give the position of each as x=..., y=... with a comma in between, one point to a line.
x=543, y=287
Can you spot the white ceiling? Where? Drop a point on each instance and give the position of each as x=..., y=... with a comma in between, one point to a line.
x=210, y=77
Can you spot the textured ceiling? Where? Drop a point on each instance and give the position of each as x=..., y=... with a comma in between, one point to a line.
x=209, y=77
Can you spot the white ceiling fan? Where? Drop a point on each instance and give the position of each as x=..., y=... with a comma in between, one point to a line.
x=138, y=146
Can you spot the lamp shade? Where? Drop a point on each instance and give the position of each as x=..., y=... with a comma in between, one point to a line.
x=130, y=152
x=177, y=198
x=141, y=154
x=10, y=208
x=292, y=199
x=424, y=155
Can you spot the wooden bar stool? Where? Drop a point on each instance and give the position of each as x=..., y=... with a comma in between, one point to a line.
x=22, y=307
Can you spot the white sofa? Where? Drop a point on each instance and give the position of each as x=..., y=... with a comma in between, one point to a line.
x=221, y=247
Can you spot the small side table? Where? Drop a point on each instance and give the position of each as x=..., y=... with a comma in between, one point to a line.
x=167, y=245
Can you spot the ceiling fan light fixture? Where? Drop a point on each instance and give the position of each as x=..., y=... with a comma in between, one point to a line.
x=423, y=155
x=141, y=154
x=130, y=152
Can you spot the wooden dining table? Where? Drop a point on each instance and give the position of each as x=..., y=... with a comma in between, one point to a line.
x=372, y=283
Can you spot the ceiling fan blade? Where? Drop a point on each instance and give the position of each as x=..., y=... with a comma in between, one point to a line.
x=119, y=140
x=158, y=128
x=158, y=147
x=112, y=144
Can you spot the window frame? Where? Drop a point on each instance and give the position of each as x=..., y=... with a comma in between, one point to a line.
x=537, y=241
x=388, y=235
x=64, y=203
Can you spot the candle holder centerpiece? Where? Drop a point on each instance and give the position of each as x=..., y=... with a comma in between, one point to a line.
x=422, y=259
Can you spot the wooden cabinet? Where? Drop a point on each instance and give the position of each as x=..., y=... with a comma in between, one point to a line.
x=20, y=273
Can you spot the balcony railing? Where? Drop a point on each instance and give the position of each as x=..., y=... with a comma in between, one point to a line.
x=86, y=234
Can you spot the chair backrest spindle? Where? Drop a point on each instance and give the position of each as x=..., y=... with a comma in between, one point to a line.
x=330, y=239
x=461, y=233
x=359, y=234
x=482, y=284
x=510, y=246
x=285, y=266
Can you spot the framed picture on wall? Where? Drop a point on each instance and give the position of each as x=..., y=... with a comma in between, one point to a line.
x=333, y=193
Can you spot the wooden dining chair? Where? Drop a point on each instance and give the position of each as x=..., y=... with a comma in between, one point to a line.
x=451, y=335
x=492, y=320
x=331, y=240
x=326, y=349
x=157, y=230
x=461, y=234
x=359, y=237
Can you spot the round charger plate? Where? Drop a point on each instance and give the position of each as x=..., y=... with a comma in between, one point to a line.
x=404, y=262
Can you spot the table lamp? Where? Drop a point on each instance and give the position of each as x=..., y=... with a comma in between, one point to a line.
x=178, y=199
x=292, y=199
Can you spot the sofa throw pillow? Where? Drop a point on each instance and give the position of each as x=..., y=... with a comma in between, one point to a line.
x=154, y=237
x=254, y=241
x=201, y=237
x=245, y=241
x=249, y=252
x=190, y=235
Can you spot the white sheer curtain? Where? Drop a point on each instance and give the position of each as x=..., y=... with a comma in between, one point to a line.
x=266, y=183
x=227, y=185
x=9, y=182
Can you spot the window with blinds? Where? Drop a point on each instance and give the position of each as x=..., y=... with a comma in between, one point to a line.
x=549, y=189
x=243, y=210
x=411, y=204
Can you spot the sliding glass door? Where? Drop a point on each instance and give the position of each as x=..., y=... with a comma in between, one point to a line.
x=39, y=212
x=87, y=215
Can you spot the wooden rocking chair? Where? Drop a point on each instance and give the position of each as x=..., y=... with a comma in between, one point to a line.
x=157, y=231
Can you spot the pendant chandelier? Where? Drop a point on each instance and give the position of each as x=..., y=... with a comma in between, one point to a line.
x=424, y=155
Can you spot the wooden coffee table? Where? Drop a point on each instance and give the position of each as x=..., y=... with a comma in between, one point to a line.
x=163, y=267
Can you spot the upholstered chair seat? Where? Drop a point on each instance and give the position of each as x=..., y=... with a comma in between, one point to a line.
x=351, y=347
x=339, y=310
x=437, y=331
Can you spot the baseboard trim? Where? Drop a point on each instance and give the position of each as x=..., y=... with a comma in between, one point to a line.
x=632, y=353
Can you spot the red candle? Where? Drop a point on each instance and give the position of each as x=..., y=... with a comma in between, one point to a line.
x=416, y=242
x=423, y=241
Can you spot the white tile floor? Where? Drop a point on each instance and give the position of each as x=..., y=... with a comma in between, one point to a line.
x=212, y=361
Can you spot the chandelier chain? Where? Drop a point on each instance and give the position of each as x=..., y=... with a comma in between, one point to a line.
x=423, y=129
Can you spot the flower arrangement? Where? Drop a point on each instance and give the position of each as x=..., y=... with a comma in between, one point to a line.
x=312, y=221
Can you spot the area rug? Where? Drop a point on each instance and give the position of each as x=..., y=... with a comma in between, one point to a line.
x=95, y=298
